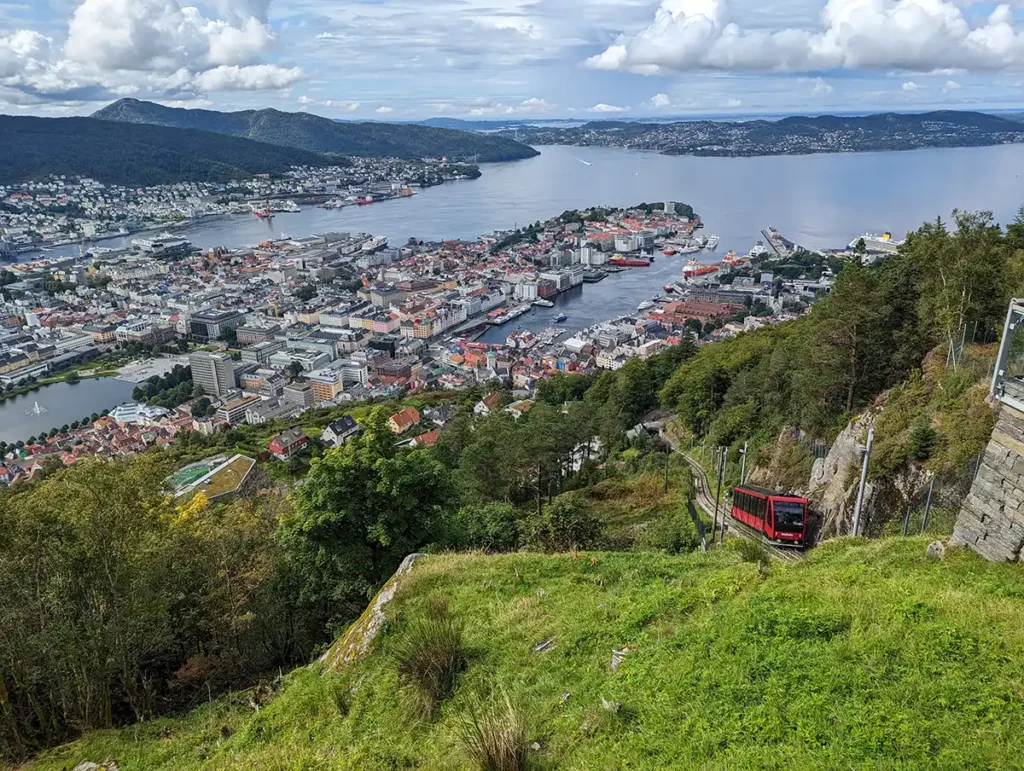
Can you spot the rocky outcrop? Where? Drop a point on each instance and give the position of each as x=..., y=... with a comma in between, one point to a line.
x=991, y=520
x=833, y=485
x=356, y=641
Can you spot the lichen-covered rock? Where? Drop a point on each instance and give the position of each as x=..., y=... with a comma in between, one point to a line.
x=356, y=641
x=936, y=550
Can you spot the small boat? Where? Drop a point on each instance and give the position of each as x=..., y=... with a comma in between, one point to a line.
x=669, y=288
x=560, y=318
x=645, y=305
x=712, y=241
x=669, y=252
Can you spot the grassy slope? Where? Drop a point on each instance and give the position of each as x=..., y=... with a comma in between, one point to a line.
x=865, y=655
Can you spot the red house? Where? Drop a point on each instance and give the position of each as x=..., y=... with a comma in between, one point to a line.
x=287, y=443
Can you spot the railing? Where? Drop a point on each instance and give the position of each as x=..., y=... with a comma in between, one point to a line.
x=1008, y=375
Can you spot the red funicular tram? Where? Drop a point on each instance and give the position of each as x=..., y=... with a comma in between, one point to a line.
x=779, y=517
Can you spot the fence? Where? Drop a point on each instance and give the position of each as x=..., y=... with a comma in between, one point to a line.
x=931, y=510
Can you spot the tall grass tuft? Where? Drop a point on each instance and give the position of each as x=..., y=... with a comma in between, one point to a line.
x=429, y=657
x=753, y=551
x=494, y=736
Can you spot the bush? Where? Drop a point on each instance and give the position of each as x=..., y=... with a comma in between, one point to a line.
x=753, y=551
x=565, y=525
x=492, y=527
x=429, y=657
x=674, y=534
x=494, y=736
x=922, y=441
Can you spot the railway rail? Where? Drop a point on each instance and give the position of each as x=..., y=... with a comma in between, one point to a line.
x=705, y=499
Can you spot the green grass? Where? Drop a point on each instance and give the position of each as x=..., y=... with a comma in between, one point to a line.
x=866, y=655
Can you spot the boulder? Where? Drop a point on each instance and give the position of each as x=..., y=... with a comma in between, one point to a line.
x=936, y=550
x=356, y=641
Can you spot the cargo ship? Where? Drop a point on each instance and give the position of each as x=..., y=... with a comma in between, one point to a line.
x=629, y=262
x=694, y=269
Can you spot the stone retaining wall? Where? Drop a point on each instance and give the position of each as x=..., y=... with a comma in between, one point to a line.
x=991, y=520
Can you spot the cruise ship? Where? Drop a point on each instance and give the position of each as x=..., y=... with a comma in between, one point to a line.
x=884, y=243
x=375, y=244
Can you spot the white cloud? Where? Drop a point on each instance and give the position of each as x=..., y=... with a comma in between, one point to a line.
x=660, y=101
x=483, y=107
x=951, y=85
x=820, y=87
x=912, y=35
x=602, y=107
x=384, y=110
x=305, y=100
x=255, y=77
x=732, y=103
x=160, y=49
x=345, y=106
x=910, y=87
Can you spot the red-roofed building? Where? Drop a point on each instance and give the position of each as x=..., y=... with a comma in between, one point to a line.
x=403, y=420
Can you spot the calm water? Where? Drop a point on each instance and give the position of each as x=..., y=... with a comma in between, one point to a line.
x=63, y=402
x=817, y=200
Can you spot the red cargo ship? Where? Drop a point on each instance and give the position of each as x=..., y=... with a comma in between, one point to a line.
x=634, y=262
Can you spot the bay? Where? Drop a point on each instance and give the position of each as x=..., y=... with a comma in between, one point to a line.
x=63, y=402
x=820, y=201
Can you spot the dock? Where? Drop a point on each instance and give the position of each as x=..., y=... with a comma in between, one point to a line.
x=778, y=243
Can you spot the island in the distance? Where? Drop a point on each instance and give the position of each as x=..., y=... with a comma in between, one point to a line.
x=789, y=136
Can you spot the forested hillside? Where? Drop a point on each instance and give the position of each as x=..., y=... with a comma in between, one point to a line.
x=320, y=135
x=119, y=603
x=131, y=154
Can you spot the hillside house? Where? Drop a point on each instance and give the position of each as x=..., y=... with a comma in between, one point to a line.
x=402, y=421
x=287, y=443
x=487, y=405
x=340, y=431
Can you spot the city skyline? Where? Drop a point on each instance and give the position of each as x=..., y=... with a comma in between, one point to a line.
x=535, y=59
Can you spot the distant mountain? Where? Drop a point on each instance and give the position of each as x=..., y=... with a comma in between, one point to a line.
x=789, y=136
x=129, y=154
x=320, y=135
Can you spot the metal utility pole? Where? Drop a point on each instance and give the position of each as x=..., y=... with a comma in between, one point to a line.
x=743, y=466
x=718, y=494
x=721, y=481
x=863, y=482
x=668, y=459
x=906, y=520
x=927, y=506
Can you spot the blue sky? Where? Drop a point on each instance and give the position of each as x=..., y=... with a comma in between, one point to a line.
x=412, y=59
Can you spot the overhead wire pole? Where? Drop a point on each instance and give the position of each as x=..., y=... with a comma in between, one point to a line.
x=718, y=492
x=725, y=468
x=743, y=466
x=863, y=482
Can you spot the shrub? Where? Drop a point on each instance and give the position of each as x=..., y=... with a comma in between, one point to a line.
x=492, y=527
x=753, y=551
x=565, y=525
x=429, y=657
x=494, y=735
x=922, y=441
x=674, y=534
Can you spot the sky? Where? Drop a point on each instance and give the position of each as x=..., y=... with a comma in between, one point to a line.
x=535, y=59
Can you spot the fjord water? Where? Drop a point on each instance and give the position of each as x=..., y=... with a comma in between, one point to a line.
x=820, y=200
